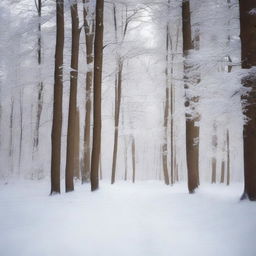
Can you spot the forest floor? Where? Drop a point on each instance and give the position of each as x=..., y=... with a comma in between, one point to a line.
x=142, y=219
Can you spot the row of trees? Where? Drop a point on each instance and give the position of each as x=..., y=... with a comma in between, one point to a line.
x=72, y=115
x=191, y=79
x=154, y=54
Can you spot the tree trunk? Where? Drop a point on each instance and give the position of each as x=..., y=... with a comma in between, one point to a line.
x=133, y=160
x=118, y=94
x=222, y=177
x=166, y=113
x=21, y=127
x=174, y=165
x=89, y=36
x=57, y=101
x=40, y=83
x=228, y=159
x=192, y=131
x=214, y=148
x=248, y=58
x=70, y=159
x=77, y=146
x=101, y=174
x=214, y=163
x=11, y=135
x=125, y=160
x=98, y=55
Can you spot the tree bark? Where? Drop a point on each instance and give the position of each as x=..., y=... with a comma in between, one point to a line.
x=174, y=165
x=248, y=58
x=214, y=147
x=70, y=159
x=166, y=112
x=57, y=102
x=222, y=177
x=214, y=163
x=192, y=131
x=77, y=146
x=228, y=159
x=89, y=36
x=98, y=55
x=118, y=91
x=40, y=83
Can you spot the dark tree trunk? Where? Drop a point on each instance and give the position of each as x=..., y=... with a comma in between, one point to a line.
x=89, y=36
x=77, y=146
x=57, y=101
x=248, y=58
x=118, y=91
x=228, y=159
x=40, y=83
x=98, y=55
x=192, y=132
x=70, y=159
x=222, y=176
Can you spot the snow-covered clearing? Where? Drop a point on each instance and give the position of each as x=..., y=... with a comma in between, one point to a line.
x=145, y=219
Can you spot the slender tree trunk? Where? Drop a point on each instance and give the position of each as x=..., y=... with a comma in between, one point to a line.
x=11, y=135
x=192, y=131
x=133, y=160
x=57, y=101
x=70, y=159
x=125, y=160
x=98, y=55
x=214, y=147
x=118, y=91
x=222, y=177
x=172, y=133
x=248, y=58
x=118, y=82
x=21, y=127
x=229, y=39
x=228, y=159
x=174, y=165
x=77, y=146
x=40, y=83
x=214, y=163
x=89, y=36
x=166, y=113
x=227, y=150
x=176, y=169
x=224, y=159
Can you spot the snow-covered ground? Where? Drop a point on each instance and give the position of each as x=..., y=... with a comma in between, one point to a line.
x=145, y=219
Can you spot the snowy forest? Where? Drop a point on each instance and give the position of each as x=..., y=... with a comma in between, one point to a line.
x=145, y=110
